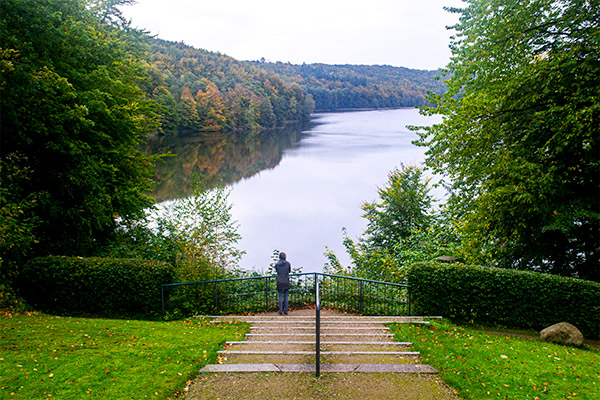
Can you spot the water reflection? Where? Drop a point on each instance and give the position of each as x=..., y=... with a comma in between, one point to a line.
x=302, y=205
x=216, y=158
x=300, y=189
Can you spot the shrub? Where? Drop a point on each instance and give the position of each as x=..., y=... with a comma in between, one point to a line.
x=196, y=234
x=495, y=296
x=95, y=286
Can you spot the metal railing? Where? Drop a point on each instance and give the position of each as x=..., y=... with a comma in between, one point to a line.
x=259, y=294
x=317, y=328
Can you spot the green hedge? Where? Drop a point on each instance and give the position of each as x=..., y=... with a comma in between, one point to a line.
x=495, y=296
x=106, y=287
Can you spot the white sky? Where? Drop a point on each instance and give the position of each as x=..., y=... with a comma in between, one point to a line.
x=402, y=33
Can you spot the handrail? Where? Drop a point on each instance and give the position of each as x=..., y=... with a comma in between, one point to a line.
x=218, y=280
x=317, y=328
x=352, y=278
x=298, y=274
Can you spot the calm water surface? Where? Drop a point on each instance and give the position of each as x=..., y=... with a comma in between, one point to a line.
x=302, y=204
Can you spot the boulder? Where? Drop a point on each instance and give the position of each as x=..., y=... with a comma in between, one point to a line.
x=563, y=333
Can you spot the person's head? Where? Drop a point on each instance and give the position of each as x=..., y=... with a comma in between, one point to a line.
x=282, y=256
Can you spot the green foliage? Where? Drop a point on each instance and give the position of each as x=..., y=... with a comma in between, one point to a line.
x=339, y=87
x=497, y=296
x=195, y=234
x=203, y=232
x=72, y=115
x=479, y=365
x=403, y=228
x=17, y=225
x=77, y=358
x=519, y=140
x=95, y=286
x=402, y=208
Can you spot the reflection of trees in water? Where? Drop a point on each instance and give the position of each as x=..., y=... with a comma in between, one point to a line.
x=217, y=158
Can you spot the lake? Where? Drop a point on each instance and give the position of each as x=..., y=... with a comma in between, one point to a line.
x=301, y=204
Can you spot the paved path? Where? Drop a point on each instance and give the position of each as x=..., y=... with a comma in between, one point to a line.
x=353, y=348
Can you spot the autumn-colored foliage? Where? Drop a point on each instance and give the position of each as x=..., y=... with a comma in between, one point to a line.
x=204, y=91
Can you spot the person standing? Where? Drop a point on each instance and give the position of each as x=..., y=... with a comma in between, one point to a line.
x=283, y=269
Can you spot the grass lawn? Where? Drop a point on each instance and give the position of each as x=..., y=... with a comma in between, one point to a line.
x=43, y=356
x=481, y=365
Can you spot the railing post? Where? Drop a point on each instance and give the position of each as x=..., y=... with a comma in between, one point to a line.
x=162, y=298
x=216, y=299
x=360, y=296
x=317, y=329
x=266, y=293
x=409, y=290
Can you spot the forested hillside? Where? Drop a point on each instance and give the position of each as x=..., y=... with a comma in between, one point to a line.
x=202, y=91
x=340, y=87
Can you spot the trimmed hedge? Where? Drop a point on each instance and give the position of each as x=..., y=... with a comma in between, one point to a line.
x=105, y=287
x=502, y=297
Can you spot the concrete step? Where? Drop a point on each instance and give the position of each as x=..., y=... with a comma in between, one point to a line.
x=268, y=358
x=306, y=342
x=341, y=346
x=379, y=318
x=344, y=358
x=302, y=322
x=273, y=367
x=323, y=352
x=323, y=328
x=348, y=344
x=323, y=335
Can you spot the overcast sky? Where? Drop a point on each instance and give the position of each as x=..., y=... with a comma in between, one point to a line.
x=402, y=33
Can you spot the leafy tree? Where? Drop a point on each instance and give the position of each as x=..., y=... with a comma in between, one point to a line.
x=519, y=139
x=404, y=206
x=169, y=117
x=190, y=118
x=211, y=104
x=196, y=234
x=402, y=229
x=72, y=114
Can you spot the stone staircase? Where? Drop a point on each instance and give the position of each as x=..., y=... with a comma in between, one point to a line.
x=349, y=343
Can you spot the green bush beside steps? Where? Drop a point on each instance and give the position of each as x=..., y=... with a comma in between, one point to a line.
x=503, y=297
x=102, y=287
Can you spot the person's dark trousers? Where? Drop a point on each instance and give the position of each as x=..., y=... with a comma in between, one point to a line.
x=283, y=301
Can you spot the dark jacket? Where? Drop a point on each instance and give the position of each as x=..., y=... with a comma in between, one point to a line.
x=283, y=269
